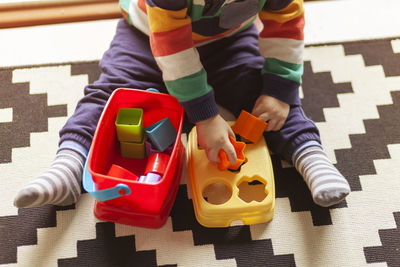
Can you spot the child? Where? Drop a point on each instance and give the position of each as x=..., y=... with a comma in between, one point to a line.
x=202, y=52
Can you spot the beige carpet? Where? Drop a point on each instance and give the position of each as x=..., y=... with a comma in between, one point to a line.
x=352, y=91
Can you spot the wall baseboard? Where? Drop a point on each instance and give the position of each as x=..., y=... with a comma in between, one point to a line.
x=21, y=14
x=58, y=13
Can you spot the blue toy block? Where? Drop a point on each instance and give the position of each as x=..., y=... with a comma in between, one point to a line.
x=162, y=134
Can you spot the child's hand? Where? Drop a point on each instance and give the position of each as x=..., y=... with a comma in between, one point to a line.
x=271, y=110
x=213, y=135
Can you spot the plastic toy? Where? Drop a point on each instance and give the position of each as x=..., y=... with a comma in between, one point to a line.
x=155, y=168
x=249, y=127
x=128, y=201
x=130, y=132
x=129, y=125
x=223, y=157
x=118, y=171
x=150, y=178
x=221, y=197
x=150, y=150
x=157, y=163
x=161, y=134
x=136, y=150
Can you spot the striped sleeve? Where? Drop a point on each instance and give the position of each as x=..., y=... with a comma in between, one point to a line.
x=281, y=44
x=173, y=49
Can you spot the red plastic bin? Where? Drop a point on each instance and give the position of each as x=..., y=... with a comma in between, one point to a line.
x=147, y=205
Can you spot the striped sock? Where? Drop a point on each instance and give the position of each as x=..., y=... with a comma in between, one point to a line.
x=326, y=183
x=59, y=185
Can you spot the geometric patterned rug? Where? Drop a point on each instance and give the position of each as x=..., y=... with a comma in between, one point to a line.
x=351, y=90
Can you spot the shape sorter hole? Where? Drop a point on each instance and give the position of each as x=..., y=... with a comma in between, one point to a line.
x=217, y=193
x=238, y=169
x=252, y=190
x=242, y=139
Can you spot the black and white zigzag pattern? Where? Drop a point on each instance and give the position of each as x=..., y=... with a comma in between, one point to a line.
x=352, y=92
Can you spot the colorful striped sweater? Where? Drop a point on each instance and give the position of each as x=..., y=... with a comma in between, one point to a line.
x=177, y=27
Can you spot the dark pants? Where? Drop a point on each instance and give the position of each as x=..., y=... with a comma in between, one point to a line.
x=233, y=68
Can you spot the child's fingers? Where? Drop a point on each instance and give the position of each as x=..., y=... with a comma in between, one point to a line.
x=231, y=153
x=212, y=155
x=271, y=125
x=256, y=108
x=231, y=133
x=264, y=116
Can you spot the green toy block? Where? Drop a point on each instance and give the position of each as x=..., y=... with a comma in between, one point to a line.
x=129, y=125
x=136, y=150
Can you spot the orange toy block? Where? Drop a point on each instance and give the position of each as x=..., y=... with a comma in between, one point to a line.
x=224, y=160
x=249, y=126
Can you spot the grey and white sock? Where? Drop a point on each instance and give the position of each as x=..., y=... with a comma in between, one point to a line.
x=59, y=185
x=326, y=183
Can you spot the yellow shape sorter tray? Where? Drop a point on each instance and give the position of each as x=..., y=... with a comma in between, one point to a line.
x=223, y=197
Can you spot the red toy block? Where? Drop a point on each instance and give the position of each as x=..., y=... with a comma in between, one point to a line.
x=157, y=163
x=118, y=171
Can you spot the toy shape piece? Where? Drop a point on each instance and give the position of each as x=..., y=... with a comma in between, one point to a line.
x=224, y=161
x=129, y=125
x=136, y=150
x=119, y=172
x=157, y=163
x=249, y=126
x=155, y=168
x=150, y=178
x=150, y=150
x=162, y=134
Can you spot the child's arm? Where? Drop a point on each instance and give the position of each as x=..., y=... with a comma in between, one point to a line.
x=173, y=49
x=184, y=76
x=281, y=43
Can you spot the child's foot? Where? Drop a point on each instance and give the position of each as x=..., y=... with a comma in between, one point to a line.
x=59, y=185
x=326, y=183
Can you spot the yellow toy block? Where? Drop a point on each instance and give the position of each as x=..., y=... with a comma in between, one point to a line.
x=222, y=197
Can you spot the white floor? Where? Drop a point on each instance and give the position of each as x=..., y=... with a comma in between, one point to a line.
x=326, y=21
